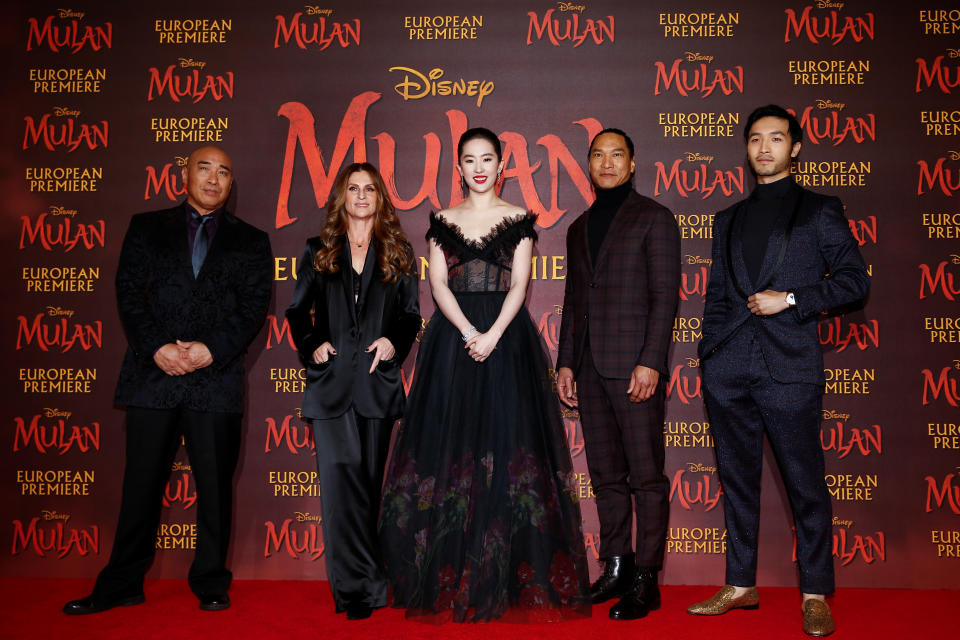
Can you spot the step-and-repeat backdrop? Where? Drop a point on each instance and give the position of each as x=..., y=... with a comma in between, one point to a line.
x=103, y=102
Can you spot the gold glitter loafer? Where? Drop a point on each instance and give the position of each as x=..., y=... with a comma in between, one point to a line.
x=817, y=620
x=724, y=600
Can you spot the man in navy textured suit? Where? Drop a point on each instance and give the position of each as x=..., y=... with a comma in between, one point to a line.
x=622, y=290
x=780, y=258
x=193, y=286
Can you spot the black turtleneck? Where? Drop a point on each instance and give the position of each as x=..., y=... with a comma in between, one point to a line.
x=601, y=214
x=764, y=206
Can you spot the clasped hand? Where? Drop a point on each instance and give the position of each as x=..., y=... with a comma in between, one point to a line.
x=481, y=345
x=180, y=358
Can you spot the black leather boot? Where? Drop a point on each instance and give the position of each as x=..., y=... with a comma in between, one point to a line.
x=642, y=598
x=615, y=580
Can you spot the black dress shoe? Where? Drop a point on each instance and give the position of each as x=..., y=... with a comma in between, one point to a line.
x=90, y=604
x=643, y=597
x=358, y=611
x=214, y=602
x=615, y=580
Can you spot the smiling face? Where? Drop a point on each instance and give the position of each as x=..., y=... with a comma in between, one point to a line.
x=479, y=165
x=770, y=149
x=361, y=195
x=207, y=176
x=610, y=161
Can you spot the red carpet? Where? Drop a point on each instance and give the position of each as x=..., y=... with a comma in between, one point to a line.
x=293, y=609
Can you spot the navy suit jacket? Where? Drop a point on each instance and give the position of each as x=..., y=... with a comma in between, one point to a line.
x=388, y=309
x=160, y=301
x=821, y=265
x=626, y=302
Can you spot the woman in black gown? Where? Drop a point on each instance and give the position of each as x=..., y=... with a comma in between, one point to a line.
x=358, y=280
x=479, y=516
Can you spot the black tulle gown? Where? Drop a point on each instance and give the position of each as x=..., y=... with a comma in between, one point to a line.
x=479, y=517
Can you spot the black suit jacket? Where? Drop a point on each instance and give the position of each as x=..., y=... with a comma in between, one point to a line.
x=388, y=309
x=820, y=243
x=626, y=302
x=160, y=302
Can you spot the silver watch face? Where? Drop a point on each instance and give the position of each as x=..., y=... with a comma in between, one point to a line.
x=791, y=300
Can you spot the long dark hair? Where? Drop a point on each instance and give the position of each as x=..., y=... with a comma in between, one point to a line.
x=394, y=253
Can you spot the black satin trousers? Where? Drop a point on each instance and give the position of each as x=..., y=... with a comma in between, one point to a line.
x=351, y=455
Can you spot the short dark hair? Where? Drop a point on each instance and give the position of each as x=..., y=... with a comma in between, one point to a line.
x=620, y=133
x=794, y=129
x=483, y=134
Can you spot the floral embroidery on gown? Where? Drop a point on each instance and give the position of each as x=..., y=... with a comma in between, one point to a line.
x=479, y=518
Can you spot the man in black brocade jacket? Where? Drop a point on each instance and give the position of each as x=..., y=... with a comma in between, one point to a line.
x=781, y=258
x=193, y=284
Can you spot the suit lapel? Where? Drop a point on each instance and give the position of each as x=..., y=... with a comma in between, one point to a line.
x=735, y=262
x=222, y=241
x=366, y=276
x=346, y=278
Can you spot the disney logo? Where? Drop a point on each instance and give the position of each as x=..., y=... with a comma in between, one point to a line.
x=306, y=516
x=569, y=6
x=190, y=63
x=56, y=413
x=830, y=104
x=698, y=157
x=696, y=56
x=59, y=311
x=62, y=211
x=65, y=111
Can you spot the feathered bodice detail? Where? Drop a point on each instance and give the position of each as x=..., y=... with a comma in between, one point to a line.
x=480, y=265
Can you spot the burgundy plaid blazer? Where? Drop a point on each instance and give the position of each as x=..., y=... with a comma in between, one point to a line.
x=626, y=303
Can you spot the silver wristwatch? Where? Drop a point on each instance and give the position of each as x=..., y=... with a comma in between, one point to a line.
x=791, y=300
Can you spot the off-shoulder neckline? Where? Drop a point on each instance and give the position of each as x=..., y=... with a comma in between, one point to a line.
x=495, y=231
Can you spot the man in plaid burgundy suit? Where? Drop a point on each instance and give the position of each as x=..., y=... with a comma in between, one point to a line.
x=622, y=289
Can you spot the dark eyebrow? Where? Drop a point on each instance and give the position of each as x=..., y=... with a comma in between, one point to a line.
x=222, y=166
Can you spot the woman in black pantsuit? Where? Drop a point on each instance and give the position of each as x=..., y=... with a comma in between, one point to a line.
x=359, y=280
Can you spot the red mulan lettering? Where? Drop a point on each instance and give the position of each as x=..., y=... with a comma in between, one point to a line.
x=944, y=384
x=295, y=542
x=947, y=494
x=697, y=180
x=316, y=33
x=352, y=134
x=832, y=128
x=841, y=440
x=938, y=282
x=64, y=234
x=59, y=539
x=834, y=26
x=58, y=334
x=167, y=180
x=569, y=28
x=698, y=79
x=55, y=436
x=936, y=72
x=66, y=134
x=295, y=438
x=864, y=229
x=703, y=489
x=835, y=333
x=71, y=35
x=191, y=85
x=682, y=385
